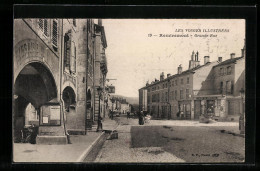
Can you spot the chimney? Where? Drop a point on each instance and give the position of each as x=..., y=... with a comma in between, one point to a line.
x=220, y=59
x=197, y=56
x=100, y=22
x=232, y=55
x=147, y=83
x=192, y=56
x=206, y=59
x=168, y=75
x=162, y=76
x=192, y=62
x=242, y=52
x=180, y=69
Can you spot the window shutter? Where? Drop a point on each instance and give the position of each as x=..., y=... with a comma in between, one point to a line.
x=72, y=56
x=45, y=28
x=40, y=23
x=67, y=48
x=55, y=33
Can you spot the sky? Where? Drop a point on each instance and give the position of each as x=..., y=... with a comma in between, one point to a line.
x=135, y=58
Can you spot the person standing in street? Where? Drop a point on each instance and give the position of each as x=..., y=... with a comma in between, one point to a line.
x=128, y=115
x=141, y=118
x=112, y=115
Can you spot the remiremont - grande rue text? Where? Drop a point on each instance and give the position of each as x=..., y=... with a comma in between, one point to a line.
x=196, y=33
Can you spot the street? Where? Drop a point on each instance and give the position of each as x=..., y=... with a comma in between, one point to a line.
x=176, y=141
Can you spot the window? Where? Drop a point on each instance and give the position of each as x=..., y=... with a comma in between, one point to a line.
x=181, y=81
x=181, y=94
x=176, y=83
x=221, y=87
x=55, y=33
x=187, y=93
x=188, y=80
x=176, y=94
x=166, y=96
x=43, y=25
x=73, y=58
x=228, y=87
x=166, y=85
x=228, y=70
x=74, y=22
x=45, y=31
x=162, y=97
x=221, y=71
x=67, y=49
x=40, y=23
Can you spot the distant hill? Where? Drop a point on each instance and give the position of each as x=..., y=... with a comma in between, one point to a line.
x=130, y=100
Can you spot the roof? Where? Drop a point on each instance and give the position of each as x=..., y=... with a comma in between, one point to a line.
x=175, y=75
x=229, y=61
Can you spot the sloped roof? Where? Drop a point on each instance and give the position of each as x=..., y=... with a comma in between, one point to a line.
x=228, y=61
x=176, y=75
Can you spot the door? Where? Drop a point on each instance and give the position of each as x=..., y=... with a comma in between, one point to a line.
x=197, y=109
x=187, y=111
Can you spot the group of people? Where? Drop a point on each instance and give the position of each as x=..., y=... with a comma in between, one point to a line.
x=143, y=118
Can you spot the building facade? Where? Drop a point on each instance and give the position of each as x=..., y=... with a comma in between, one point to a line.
x=200, y=90
x=54, y=73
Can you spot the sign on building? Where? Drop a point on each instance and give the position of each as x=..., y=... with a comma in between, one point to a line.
x=111, y=89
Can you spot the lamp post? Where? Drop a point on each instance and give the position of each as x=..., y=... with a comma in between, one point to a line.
x=242, y=116
x=99, y=127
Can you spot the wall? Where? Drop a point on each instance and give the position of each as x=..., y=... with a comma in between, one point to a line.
x=222, y=78
x=30, y=45
x=239, y=80
x=204, y=77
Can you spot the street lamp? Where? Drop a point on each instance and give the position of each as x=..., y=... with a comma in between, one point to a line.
x=242, y=116
x=99, y=127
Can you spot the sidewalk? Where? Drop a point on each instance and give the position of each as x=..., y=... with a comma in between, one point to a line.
x=75, y=152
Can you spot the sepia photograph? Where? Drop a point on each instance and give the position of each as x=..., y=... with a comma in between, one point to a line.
x=99, y=90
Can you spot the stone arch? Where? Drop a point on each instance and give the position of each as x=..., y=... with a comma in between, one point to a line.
x=69, y=98
x=34, y=84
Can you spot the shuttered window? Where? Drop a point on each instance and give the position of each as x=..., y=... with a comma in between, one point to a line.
x=43, y=26
x=40, y=23
x=73, y=57
x=55, y=33
x=67, y=48
x=45, y=31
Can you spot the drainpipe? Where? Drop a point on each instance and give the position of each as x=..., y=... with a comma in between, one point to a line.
x=87, y=67
x=61, y=76
x=169, y=105
x=94, y=63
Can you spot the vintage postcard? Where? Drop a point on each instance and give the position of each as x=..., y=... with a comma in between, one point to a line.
x=129, y=90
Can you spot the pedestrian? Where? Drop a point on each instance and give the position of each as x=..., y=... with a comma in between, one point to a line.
x=128, y=115
x=141, y=118
x=100, y=122
x=112, y=115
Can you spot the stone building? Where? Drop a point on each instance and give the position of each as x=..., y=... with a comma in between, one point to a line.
x=196, y=91
x=54, y=76
x=100, y=72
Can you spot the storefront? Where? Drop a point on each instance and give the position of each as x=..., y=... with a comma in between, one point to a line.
x=184, y=109
x=213, y=106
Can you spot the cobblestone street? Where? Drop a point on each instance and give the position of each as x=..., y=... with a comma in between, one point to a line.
x=186, y=142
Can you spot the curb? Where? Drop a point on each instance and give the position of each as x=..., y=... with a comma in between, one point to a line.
x=88, y=150
x=83, y=156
